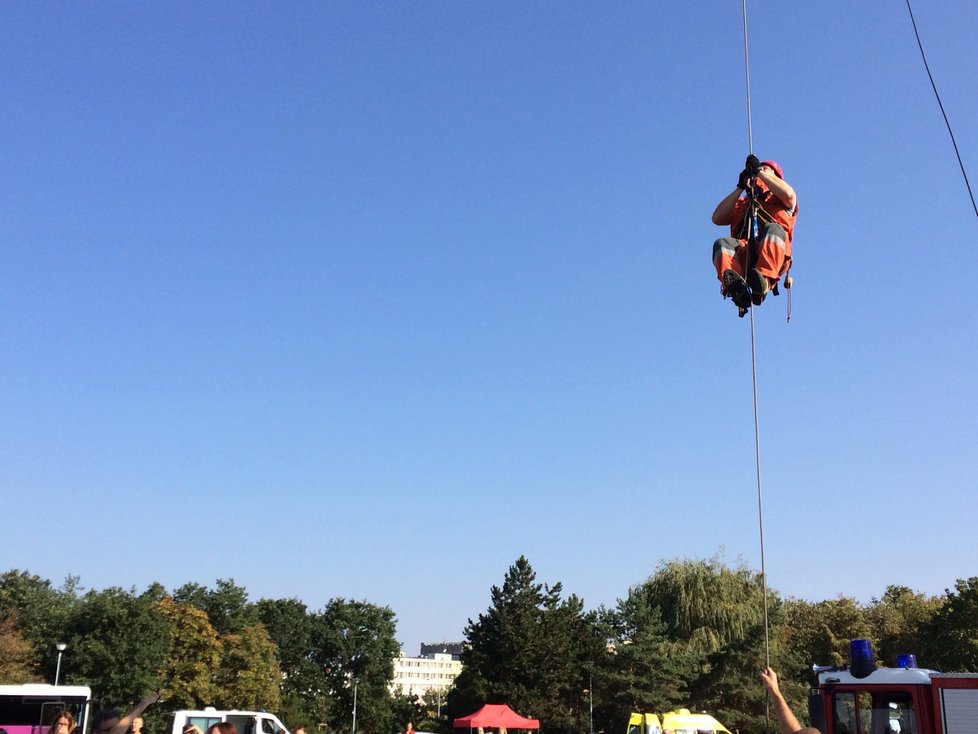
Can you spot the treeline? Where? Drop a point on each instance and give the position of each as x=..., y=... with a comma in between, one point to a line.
x=692, y=635
x=204, y=646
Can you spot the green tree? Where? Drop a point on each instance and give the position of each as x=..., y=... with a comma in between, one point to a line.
x=303, y=690
x=405, y=708
x=951, y=636
x=897, y=620
x=714, y=624
x=641, y=671
x=730, y=688
x=248, y=676
x=41, y=612
x=577, y=647
x=226, y=605
x=16, y=653
x=354, y=645
x=705, y=604
x=434, y=712
x=530, y=650
x=118, y=641
x=192, y=655
x=819, y=632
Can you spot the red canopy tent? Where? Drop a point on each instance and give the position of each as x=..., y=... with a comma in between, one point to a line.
x=496, y=716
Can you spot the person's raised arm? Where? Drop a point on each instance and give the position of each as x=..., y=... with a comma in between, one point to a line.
x=723, y=214
x=126, y=721
x=787, y=721
x=779, y=187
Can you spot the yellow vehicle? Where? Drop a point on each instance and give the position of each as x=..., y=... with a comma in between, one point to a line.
x=644, y=724
x=683, y=722
x=675, y=722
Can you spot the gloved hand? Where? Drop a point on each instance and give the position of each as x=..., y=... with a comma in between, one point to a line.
x=753, y=164
x=744, y=181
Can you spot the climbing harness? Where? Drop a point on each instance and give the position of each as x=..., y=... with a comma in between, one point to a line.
x=749, y=230
x=754, y=216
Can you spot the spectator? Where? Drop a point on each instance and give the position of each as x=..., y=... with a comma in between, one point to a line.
x=107, y=721
x=104, y=721
x=64, y=723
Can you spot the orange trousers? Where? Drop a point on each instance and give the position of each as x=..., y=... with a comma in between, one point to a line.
x=773, y=251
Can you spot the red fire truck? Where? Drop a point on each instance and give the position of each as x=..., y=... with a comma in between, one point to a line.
x=864, y=699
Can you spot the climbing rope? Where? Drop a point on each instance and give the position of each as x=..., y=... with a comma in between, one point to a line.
x=753, y=355
x=941, y=105
x=750, y=132
x=753, y=362
x=760, y=504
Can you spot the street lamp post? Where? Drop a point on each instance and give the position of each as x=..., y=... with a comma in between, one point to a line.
x=590, y=704
x=61, y=647
x=355, y=682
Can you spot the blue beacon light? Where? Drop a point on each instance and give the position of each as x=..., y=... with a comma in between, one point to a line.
x=862, y=662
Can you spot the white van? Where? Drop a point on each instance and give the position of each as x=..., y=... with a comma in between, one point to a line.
x=245, y=722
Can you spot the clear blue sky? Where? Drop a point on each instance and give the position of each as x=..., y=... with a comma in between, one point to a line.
x=368, y=299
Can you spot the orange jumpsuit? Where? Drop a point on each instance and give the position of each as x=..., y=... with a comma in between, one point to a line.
x=773, y=238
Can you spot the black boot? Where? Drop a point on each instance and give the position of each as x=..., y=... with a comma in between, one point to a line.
x=736, y=287
x=759, y=286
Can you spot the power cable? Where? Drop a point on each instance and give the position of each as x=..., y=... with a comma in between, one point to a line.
x=941, y=105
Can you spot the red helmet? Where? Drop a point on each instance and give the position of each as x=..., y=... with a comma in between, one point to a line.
x=776, y=167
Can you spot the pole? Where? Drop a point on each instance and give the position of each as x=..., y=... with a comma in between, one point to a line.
x=356, y=681
x=590, y=704
x=57, y=671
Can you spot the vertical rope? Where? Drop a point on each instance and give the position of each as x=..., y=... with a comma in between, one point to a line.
x=753, y=363
x=750, y=131
x=760, y=518
x=760, y=504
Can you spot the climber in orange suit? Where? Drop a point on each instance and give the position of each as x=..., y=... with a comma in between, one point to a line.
x=748, y=283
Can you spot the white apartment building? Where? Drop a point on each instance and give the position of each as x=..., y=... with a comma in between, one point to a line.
x=418, y=676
